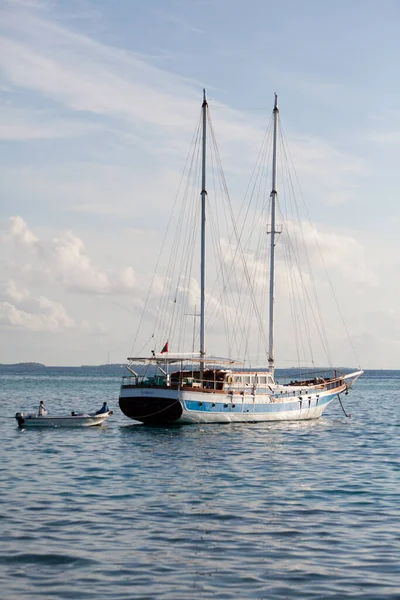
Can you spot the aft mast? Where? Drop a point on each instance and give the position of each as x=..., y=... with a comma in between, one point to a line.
x=203, y=236
x=274, y=194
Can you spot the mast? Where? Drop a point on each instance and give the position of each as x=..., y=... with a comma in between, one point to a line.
x=272, y=253
x=203, y=236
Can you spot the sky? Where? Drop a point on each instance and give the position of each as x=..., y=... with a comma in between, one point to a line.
x=98, y=104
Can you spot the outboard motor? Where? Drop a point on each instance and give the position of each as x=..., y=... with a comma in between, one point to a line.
x=20, y=419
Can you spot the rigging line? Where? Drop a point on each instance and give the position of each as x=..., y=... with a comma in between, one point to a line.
x=238, y=246
x=255, y=182
x=187, y=273
x=296, y=306
x=188, y=255
x=264, y=251
x=296, y=263
x=263, y=247
x=311, y=308
x=290, y=275
x=259, y=174
x=185, y=233
x=181, y=288
x=162, y=247
x=292, y=303
x=260, y=181
x=229, y=277
x=267, y=136
x=216, y=245
x=294, y=240
x=341, y=317
x=235, y=230
x=179, y=240
x=145, y=344
x=253, y=254
x=258, y=283
x=258, y=265
x=226, y=195
x=301, y=320
x=325, y=268
x=218, y=253
x=225, y=288
x=323, y=332
x=221, y=304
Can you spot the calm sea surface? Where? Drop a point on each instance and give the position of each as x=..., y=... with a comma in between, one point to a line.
x=292, y=510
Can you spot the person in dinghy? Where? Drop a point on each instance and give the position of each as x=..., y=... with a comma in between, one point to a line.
x=103, y=409
x=42, y=412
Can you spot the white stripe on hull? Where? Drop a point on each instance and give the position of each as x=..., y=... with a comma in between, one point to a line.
x=190, y=417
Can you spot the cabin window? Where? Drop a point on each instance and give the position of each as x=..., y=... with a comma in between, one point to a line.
x=238, y=379
x=262, y=379
x=246, y=379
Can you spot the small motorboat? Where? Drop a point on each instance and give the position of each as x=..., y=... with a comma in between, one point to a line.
x=72, y=420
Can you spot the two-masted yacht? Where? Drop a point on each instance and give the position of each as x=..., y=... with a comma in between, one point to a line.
x=196, y=387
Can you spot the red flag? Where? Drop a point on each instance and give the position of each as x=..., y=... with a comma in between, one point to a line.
x=165, y=349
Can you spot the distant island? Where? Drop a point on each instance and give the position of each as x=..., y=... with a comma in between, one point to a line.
x=29, y=365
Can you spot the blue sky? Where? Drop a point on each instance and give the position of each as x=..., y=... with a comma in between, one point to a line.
x=98, y=102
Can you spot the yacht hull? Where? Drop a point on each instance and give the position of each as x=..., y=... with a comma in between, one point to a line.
x=149, y=405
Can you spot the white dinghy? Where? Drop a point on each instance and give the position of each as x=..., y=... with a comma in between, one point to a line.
x=73, y=420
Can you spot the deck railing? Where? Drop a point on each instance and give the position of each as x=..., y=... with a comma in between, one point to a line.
x=302, y=388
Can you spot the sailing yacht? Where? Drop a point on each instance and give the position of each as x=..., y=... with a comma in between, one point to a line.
x=196, y=387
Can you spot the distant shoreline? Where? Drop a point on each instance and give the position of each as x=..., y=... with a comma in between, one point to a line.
x=35, y=365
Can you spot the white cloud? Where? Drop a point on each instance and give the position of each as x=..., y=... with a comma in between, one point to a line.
x=66, y=258
x=63, y=259
x=22, y=124
x=15, y=294
x=128, y=278
x=40, y=314
x=388, y=132
x=339, y=253
x=158, y=106
x=88, y=76
x=328, y=172
x=385, y=137
x=19, y=231
x=133, y=122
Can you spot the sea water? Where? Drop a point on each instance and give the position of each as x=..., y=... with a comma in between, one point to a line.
x=282, y=510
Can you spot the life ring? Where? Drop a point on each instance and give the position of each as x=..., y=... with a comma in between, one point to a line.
x=229, y=379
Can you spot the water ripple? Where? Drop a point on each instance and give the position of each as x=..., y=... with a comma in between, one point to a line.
x=274, y=511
